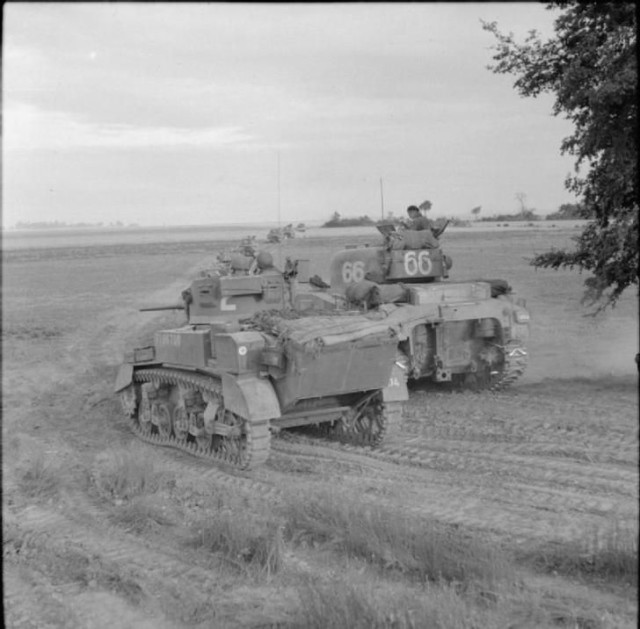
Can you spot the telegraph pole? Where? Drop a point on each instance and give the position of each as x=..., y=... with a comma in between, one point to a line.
x=280, y=235
x=278, y=189
x=381, y=199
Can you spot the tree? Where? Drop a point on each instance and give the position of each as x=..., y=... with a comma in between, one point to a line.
x=476, y=211
x=590, y=66
x=522, y=200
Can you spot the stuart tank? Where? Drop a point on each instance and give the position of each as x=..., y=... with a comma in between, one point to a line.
x=265, y=349
x=255, y=356
x=471, y=333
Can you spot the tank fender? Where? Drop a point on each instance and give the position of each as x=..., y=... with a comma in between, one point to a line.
x=250, y=397
x=124, y=377
x=396, y=390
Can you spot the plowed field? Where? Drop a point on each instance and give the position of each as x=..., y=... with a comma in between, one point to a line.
x=546, y=472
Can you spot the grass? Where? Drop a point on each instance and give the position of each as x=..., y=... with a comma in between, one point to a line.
x=422, y=550
x=140, y=514
x=69, y=563
x=360, y=601
x=346, y=606
x=246, y=540
x=609, y=553
x=362, y=604
x=38, y=477
x=123, y=474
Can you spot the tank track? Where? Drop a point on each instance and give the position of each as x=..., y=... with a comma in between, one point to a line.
x=361, y=435
x=256, y=433
x=515, y=362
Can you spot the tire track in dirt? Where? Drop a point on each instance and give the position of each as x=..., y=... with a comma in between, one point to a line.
x=27, y=604
x=157, y=571
x=569, y=407
x=520, y=509
x=37, y=603
x=610, y=448
x=512, y=514
x=492, y=459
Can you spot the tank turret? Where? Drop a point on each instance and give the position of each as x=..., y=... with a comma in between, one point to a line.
x=243, y=285
x=403, y=256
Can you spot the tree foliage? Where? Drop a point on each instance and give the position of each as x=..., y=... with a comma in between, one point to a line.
x=567, y=212
x=590, y=66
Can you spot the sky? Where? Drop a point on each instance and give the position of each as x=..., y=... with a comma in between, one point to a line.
x=192, y=114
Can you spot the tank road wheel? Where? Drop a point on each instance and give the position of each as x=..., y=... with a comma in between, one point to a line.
x=180, y=422
x=162, y=419
x=129, y=401
x=232, y=446
x=144, y=416
x=204, y=441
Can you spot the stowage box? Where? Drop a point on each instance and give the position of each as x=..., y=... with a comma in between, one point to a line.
x=189, y=346
x=239, y=352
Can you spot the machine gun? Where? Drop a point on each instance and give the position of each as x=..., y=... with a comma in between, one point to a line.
x=438, y=231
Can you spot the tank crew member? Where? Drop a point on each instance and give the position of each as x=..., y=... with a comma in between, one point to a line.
x=417, y=222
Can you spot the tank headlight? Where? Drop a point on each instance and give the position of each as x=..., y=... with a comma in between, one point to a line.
x=522, y=316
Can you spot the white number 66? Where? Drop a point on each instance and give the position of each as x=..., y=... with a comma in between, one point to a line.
x=420, y=263
x=353, y=271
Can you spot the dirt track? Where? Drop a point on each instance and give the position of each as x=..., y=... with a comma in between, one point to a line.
x=551, y=460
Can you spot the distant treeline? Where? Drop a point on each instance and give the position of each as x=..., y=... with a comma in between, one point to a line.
x=337, y=221
x=566, y=212
x=570, y=212
x=525, y=215
x=62, y=225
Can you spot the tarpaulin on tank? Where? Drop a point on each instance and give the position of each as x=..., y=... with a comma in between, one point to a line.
x=312, y=332
x=332, y=355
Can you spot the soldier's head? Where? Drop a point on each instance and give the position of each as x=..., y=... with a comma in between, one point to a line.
x=413, y=211
x=264, y=260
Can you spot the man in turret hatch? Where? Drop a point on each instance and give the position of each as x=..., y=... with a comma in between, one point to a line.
x=417, y=222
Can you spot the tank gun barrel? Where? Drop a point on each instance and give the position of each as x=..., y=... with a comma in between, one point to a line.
x=156, y=308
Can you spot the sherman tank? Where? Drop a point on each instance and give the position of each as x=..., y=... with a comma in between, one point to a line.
x=258, y=355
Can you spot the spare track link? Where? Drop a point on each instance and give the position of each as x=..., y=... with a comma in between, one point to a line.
x=258, y=436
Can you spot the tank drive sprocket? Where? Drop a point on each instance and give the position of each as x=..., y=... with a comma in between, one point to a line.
x=366, y=424
x=499, y=375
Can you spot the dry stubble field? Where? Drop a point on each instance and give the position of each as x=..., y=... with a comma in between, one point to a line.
x=517, y=509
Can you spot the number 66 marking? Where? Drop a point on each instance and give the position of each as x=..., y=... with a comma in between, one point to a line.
x=417, y=262
x=353, y=271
